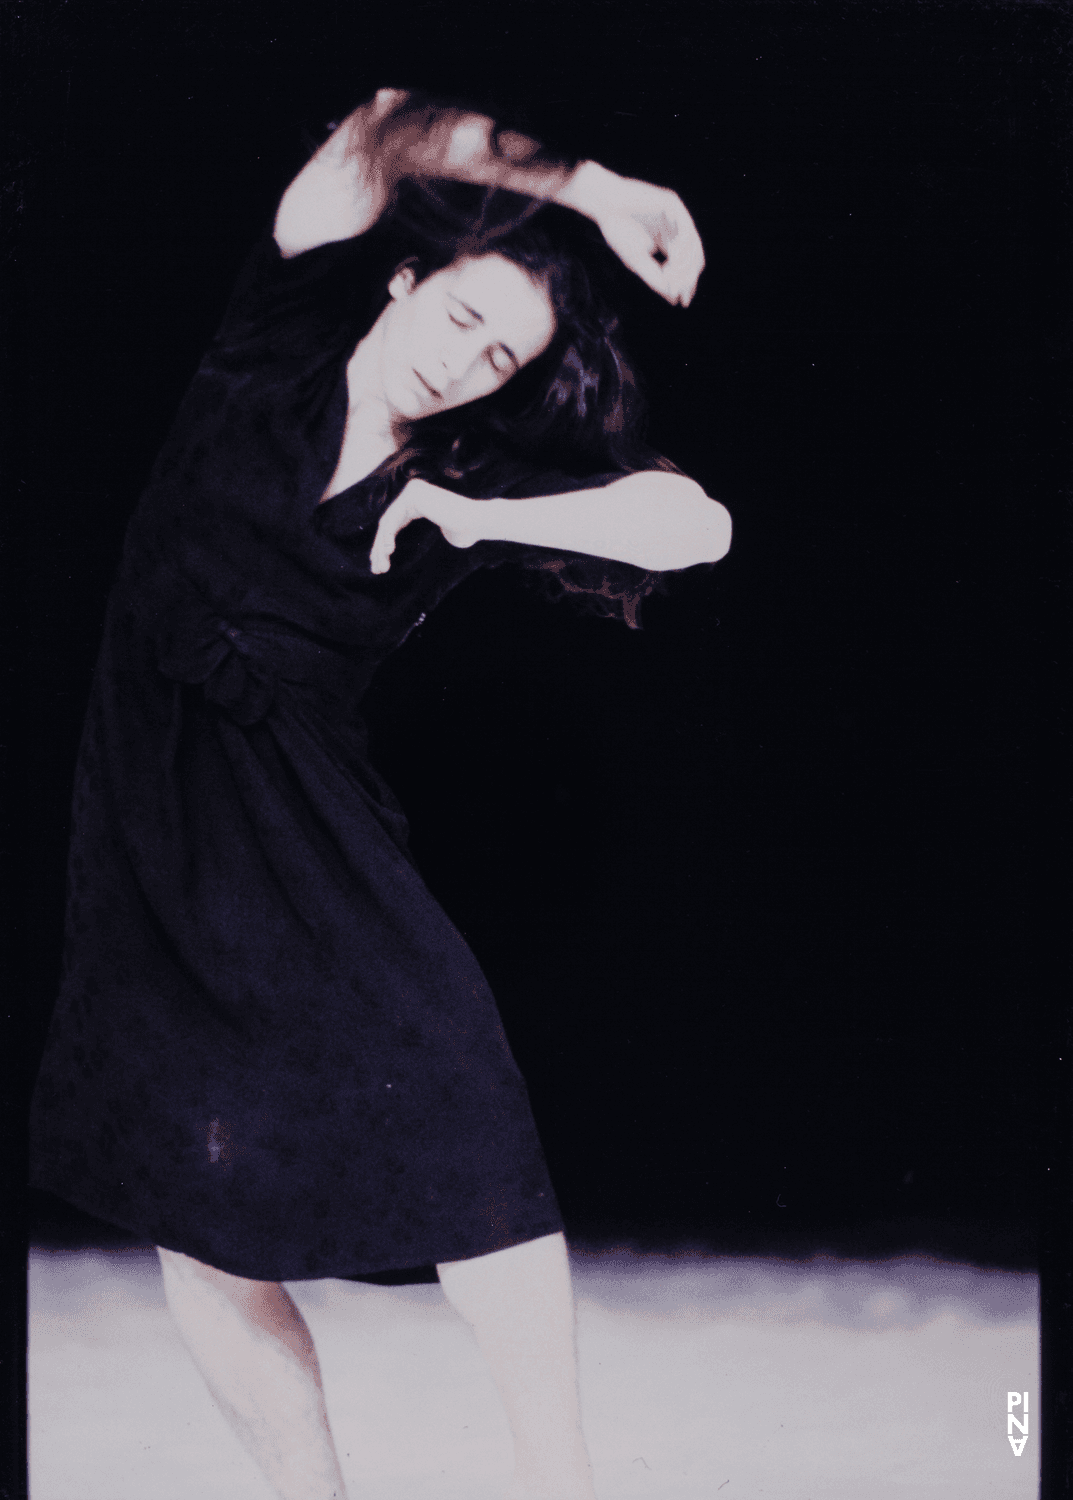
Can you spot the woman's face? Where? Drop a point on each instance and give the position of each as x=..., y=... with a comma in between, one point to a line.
x=460, y=334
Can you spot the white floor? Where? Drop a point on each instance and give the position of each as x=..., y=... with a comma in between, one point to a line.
x=825, y=1380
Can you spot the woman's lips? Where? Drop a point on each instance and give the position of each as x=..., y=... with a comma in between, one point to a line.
x=430, y=388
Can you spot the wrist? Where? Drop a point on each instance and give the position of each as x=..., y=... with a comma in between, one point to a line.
x=588, y=189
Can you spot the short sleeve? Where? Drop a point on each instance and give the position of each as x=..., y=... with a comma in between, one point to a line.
x=596, y=585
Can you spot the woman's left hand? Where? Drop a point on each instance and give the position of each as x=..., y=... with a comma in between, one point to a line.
x=455, y=515
x=640, y=221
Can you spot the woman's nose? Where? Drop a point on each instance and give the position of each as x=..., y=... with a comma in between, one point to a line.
x=455, y=364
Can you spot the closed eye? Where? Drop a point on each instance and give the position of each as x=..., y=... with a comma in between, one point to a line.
x=501, y=351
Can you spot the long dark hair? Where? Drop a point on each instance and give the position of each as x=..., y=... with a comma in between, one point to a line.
x=578, y=406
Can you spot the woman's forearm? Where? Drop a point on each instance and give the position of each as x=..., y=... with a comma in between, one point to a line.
x=654, y=520
x=421, y=138
x=589, y=189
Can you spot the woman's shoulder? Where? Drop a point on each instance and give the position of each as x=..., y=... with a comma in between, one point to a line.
x=313, y=294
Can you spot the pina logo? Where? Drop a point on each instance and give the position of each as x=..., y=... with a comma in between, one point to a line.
x=1017, y=1398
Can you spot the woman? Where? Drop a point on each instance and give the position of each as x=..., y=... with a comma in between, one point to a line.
x=273, y=1054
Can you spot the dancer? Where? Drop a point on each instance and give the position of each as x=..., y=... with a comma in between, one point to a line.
x=273, y=1055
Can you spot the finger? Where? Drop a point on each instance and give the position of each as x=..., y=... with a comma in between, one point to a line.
x=693, y=285
x=680, y=285
x=677, y=274
x=687, y=286
x=656, y=276
x=399, y=513
x=685, y=263
x=383, y=546
x=686, y=274
x=636, y=246
x=681, y=242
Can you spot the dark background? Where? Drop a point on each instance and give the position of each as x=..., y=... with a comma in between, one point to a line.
x=770, y=892
x=773, y=893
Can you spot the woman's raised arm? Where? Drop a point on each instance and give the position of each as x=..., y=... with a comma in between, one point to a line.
x=344, y=188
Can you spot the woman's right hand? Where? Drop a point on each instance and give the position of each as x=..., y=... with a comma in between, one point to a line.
x=640, y=221
x=344, y=188
x=457, y=517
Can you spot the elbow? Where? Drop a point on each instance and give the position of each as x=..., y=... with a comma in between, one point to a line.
x=717, y=533
x=676, y=524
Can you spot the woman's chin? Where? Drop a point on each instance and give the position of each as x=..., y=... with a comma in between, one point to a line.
x=410, y=406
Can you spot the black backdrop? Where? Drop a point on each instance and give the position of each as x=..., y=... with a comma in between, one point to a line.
x=768, y=890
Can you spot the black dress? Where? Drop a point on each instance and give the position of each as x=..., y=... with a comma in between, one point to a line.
x=272, y=1050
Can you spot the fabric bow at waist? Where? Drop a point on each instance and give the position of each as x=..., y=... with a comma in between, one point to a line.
x=240, y=663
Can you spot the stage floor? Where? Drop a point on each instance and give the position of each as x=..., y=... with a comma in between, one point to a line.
x=700, y=1377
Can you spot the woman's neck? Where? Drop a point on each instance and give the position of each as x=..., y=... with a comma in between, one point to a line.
x=370, y=435
x=368, y=413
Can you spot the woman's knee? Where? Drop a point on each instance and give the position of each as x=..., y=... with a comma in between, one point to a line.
x=178, y=1267
x=529, y=1268
x=546, y=1246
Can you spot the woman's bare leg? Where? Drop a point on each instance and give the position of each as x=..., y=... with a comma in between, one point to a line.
x=521, y=1307
x=256, y=1353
